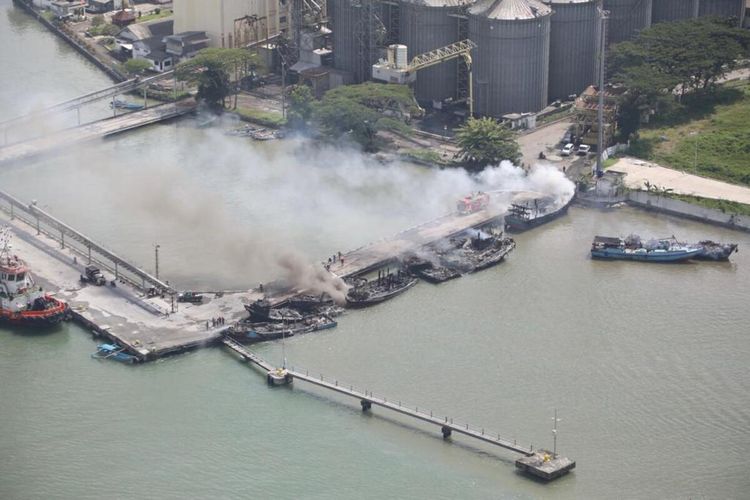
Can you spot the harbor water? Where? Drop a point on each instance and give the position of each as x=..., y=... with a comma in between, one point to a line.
x=645, y=364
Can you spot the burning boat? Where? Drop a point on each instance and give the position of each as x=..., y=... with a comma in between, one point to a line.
x=386, y=286
x=528, y=212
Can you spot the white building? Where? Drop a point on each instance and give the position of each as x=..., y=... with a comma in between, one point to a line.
x=232, y=23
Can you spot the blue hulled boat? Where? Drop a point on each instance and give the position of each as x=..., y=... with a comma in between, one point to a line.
x=631, y=248
x=115, y=352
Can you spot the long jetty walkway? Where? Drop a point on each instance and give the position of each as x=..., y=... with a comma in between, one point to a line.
x=77, y=102
x=541, y=463
x=95, y=130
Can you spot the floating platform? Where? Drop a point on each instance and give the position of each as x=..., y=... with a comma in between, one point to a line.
x=545, y=464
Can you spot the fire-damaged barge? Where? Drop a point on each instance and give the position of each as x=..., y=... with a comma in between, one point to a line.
x=300, y=314
x=526, y=214
x=461, y=256
x=388, y=285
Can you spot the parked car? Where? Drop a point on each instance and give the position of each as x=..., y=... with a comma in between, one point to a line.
x=584, y=149
x=567, y=150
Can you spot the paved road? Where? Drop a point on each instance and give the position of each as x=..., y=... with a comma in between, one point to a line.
x=637, y=172
x=546, y=139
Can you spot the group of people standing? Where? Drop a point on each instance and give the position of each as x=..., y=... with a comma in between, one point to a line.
x=337, y=257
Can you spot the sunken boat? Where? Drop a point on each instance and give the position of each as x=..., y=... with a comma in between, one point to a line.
x=247, y=332
x=306, y=303
x=386, y=286
x=261, y=311
x=466, y=255
x=529, y=213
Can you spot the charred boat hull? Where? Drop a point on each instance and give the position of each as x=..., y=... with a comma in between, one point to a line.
x=359, y=298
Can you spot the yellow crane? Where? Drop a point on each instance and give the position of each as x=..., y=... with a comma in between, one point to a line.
x=391, y=72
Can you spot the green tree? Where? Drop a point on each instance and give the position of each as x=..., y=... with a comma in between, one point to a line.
x=300, y=110
x=97, y=20
x=136, y=66
x=360, y=111
x=672, y=59
x=217, y=73
x=484, y=141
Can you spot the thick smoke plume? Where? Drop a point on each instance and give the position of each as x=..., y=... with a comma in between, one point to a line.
x=229, y=212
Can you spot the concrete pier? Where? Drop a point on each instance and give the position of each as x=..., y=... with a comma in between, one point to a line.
x=148, y=327
x=95, y=130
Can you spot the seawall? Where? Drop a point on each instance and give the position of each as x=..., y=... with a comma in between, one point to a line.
x=72, y=41
x=680, y=208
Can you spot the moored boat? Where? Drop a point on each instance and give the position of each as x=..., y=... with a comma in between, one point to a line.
x=387, y=286
x=246, y=332
x=631, y=248
x=22, y=303
x=114, y=352
x=710, y=250
x=523, y=215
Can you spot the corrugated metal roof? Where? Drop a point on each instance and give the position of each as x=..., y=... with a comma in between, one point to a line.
x=440, y=3
x=571, y=1
x=510, y=9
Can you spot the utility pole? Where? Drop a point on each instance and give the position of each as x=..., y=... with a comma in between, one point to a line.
x=156, y=257
x=554, y=433
x=603, y=16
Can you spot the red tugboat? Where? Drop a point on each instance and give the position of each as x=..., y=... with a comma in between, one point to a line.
x=473, y=203
x=22, y=303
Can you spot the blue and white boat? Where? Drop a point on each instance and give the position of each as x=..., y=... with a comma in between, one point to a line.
x=115, y=352
x=631, y=248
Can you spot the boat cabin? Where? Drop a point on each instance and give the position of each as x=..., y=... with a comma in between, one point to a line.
x=14, y=276
x=606, y=242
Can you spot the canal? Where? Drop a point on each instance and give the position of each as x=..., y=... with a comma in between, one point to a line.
x=647, y=365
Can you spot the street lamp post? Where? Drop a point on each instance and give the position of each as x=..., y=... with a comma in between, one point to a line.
x=695, y=158
x=156, y=258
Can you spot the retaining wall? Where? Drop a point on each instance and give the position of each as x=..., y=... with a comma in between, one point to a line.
x=681, y=208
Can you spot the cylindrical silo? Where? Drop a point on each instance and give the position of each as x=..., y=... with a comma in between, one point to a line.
x=355, y=36
x=511, y=61
x=723, y=8
x=665, y=11
x=344, y=17
x=573, y=46
x=427, y=25
x=627, y=18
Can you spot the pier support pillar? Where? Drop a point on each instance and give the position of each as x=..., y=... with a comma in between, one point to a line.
x=366, y=405
x=447, y=431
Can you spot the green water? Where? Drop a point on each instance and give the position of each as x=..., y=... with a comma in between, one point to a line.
x=647, y=365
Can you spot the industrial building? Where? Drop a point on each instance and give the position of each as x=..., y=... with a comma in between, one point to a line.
x=232, y=23
x=525, y=53
x=573, y=44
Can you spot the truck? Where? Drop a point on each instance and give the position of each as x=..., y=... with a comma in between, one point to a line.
x=93, y=275
x=192, y=297
x=473, y=203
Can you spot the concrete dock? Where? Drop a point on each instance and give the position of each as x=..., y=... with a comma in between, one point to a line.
x=95, y=130
x=121, y=313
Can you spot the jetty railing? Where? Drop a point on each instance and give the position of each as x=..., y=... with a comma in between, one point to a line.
x=77, y=242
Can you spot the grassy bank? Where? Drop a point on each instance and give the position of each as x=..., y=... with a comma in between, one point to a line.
x=265, y=118
x=729, y=207
x=710, y=136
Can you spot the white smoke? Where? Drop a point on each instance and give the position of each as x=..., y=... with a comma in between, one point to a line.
x=229, y=212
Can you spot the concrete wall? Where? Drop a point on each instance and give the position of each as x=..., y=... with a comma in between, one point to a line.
x=217, y=18
x=683, y=209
